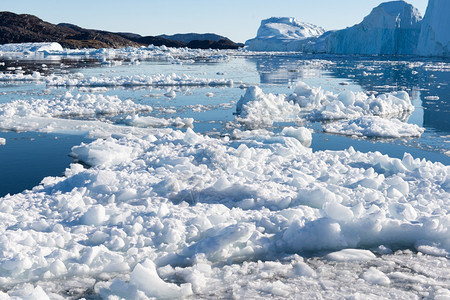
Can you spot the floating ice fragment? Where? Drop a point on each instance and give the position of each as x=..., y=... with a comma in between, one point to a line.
x=374, y=127
x=351, y=255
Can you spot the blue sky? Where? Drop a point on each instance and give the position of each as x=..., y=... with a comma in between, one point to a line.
x=237, y=19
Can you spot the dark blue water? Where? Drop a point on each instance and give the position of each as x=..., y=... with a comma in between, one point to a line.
x=28, y=157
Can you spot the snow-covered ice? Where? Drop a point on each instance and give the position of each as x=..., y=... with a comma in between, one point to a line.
x=80, y=80
x=374, y=126
x=70, y=105
x=257, y=109
x=12, y=77
x=2, y=141
x=189, y=206
x=283, y=34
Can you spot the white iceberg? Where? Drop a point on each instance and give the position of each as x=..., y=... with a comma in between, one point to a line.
x=434, y=37
x=283, y=34
x=391, y=28
x=31, y=47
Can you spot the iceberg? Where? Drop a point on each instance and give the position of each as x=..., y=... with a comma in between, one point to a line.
x=283, y=34
x=392, y=28
x=434, y=39
x=31, y=47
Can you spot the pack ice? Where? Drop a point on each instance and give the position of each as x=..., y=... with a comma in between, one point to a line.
x=258, y=110
x=181, y=205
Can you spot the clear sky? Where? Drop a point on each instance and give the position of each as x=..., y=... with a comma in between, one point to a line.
x=236, y=19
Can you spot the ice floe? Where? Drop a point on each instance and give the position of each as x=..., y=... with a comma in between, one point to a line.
x=70, y=105
x=147, y=121
x=180, y=204
x=374, y=126
x=257, y=109
x=80, y=80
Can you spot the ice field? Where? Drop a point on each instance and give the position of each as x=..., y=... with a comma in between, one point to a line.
x=204, y=174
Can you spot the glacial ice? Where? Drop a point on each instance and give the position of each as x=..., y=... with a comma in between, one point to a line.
x=391, y=28
x=283, y=34
x=434, y=39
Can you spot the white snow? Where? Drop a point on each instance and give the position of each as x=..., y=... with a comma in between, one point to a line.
x=434, y=37
x=283, y=34
x=391, y=28
x=374, y=126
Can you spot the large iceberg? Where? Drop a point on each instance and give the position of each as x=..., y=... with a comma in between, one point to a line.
x=283, y=34
x=391, y=28
x=434, y=37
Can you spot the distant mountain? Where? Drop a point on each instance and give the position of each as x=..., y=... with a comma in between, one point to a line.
x=28, y=28
x=189, y=37
x=25, y=28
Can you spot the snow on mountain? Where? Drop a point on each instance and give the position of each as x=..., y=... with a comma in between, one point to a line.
x=434, y=37
x=391, y=28
x=283, y=34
